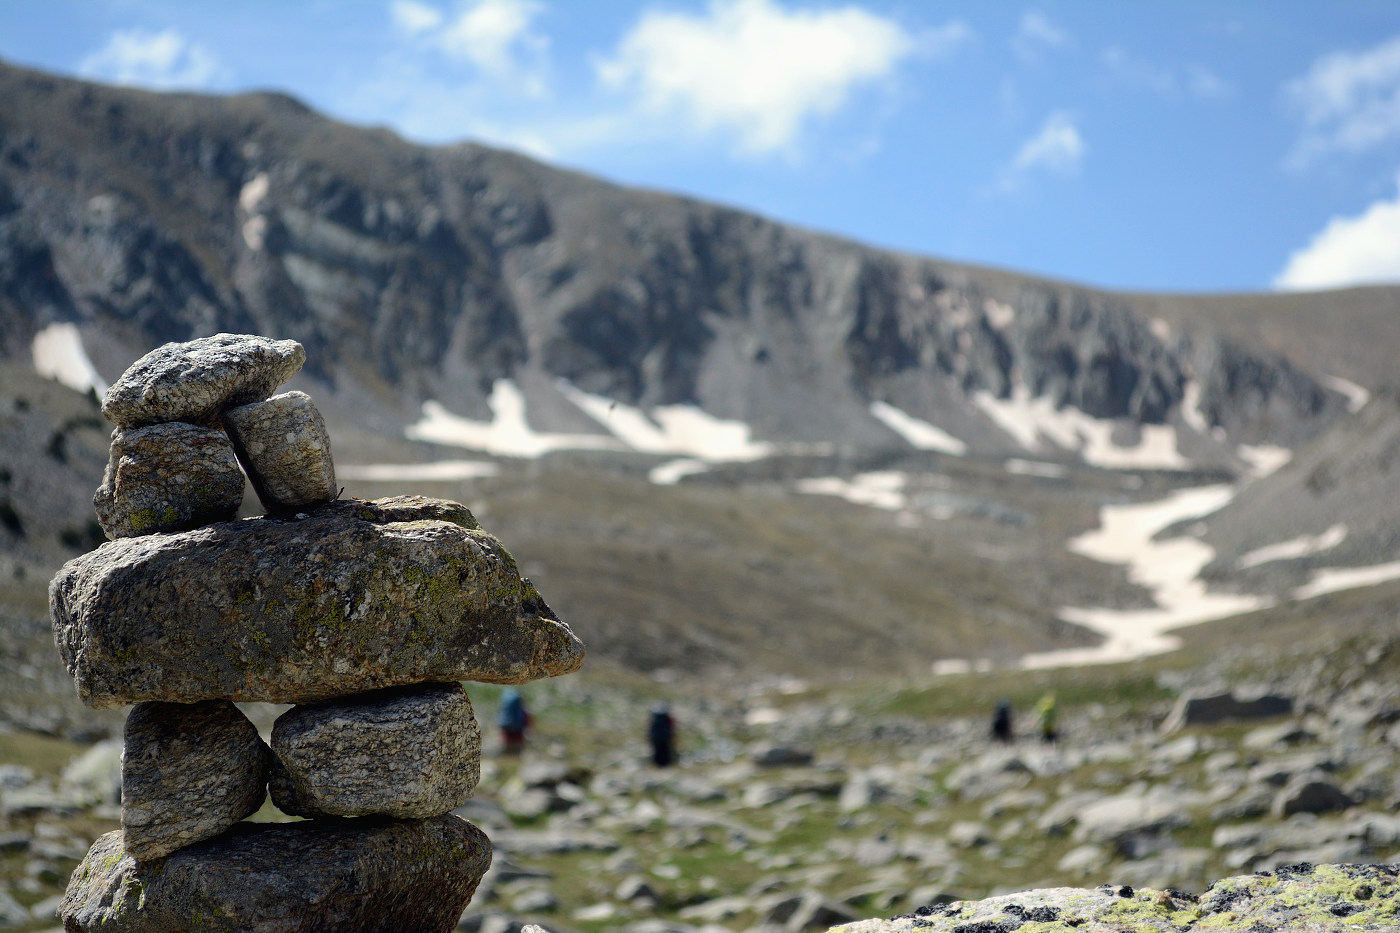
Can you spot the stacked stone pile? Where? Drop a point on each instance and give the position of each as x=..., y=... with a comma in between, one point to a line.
x=368, y=615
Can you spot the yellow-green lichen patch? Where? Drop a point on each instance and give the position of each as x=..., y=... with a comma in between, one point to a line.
x=143, y=520
x=1149, y=910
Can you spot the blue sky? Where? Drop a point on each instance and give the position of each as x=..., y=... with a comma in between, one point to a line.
x=1187, y=146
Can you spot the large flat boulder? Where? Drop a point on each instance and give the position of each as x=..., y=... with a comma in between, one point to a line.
x=407, y=752
x=353, y=597
x=189, y=772
x=352, y=876
x=196, y=380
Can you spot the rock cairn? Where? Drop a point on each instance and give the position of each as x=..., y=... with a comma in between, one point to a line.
x=366, y=614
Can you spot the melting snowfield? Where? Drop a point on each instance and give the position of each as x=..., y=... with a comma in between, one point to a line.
x=1036, y=423
x=919, y=434
x=1295, y=548
x=59, y=355
x=697, y=438
x=507, y=434
x=880, y=490
x=1167, y=569
x=1336, y=579
x=439, y=471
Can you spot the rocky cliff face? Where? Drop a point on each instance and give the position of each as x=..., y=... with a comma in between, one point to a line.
x=416, y=273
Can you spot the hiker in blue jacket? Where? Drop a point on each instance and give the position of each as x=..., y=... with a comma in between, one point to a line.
x=514, y=720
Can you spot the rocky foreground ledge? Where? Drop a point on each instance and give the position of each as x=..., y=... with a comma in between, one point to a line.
x=1295, y=899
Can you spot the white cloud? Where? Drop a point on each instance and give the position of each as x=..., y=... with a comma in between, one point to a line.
x=1058, y=147
x=412, y=17
x=756, y=69
x=1203, y=83
x=494, y=36
x=1364, y=249
x=162, y=59
x=1195, y=80
x=1349, y=101
x=1036, y=33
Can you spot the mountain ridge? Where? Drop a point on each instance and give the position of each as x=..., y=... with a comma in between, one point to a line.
x=433, y=273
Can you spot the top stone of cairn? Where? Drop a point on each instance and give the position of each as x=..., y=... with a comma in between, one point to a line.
x=197, y=380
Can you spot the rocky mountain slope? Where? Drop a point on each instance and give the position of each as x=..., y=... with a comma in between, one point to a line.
x=666, y=401
x=433, y=273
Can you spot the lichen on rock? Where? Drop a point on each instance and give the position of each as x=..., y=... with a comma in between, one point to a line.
x=196, y=380
x=1296, y=899
x=343, y=600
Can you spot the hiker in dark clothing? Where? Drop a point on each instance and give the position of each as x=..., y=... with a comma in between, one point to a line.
x=662, y=733
x=1001, y=722
x=514, y=720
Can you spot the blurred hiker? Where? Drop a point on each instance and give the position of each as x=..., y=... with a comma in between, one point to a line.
x=514, y=720
x=662, y=733
x=1049, y=718
x=1001, y=721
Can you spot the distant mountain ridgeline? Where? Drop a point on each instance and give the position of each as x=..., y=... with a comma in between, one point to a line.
x=414, y=274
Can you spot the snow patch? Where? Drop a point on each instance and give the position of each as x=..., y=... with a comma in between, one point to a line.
x=58, y=354
x=880, y=490
x=683, y=430
x=1034, y=468
x=999, y=314
x=251, y=195
x=1168, y=569
x=919, y=434
x=1191, y=409
x=946, y=666
x=437, y=471
x=1332, y=580
x=507, y=434
x=673, y=471
x=1297, y=547
x=1357, y=396
x=1160, y=329
x=1035, y=421
x=1264, y=459
x=254, y=232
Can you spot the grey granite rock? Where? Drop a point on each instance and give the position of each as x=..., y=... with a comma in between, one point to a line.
x=1298, y=899
x=168, y=477
x=407, y=752
x=350, y=598
x=352, y=876
x=283, y=444
x=1224, y=707
x=189, y=772
x=1313, y=792
x=197, y=380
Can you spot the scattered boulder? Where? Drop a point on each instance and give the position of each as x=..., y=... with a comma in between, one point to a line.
x=197, y=380
x=352, y=876
x=168, y=477
x=95, y=776
x=1224, y=707
x=808, y=911
x=283, y=444
x=189, y=772
x=408, y=752
x=1311, y=793
x=292, y=610
x=781, y=756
